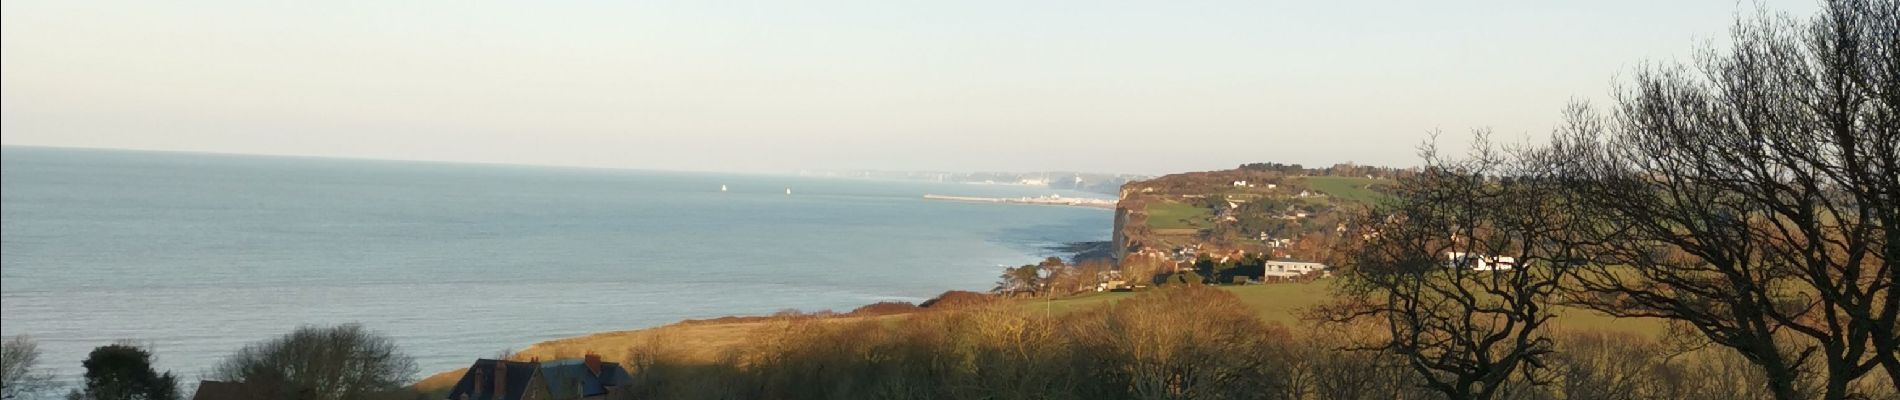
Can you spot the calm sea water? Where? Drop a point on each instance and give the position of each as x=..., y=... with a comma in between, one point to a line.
x=199, y=254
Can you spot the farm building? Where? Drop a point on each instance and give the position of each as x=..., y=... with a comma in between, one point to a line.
x=1290, y=269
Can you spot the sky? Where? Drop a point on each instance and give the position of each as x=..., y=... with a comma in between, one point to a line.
x=968, y=85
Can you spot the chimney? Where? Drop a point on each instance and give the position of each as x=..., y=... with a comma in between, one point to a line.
x=501, y=378
x=593, y=363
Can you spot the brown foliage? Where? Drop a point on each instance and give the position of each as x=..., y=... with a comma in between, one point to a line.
x=957, y=299
x=1176, y=343
x=885, y=308
x=1189, y=343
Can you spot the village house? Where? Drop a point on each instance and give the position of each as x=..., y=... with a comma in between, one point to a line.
x=571, y=379
x=1287, y=270
x=1232, y=255
x=1111, y=281
x=1273, y=242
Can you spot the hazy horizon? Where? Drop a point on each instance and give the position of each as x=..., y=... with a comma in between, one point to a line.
x=963, y=86
x=807, y=172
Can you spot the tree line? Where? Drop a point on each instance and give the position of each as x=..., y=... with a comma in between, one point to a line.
x=1748, y=198
x=344, y=362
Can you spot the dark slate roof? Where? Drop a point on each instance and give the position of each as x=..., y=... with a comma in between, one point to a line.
x=214, y=390
x=568, y=379
x=565, y=379
x=519, y=373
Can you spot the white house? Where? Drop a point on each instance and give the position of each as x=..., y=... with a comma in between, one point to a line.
x=1289, y=269
x=1479, y=262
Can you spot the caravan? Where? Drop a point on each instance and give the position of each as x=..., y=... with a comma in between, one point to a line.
x=1478, y=262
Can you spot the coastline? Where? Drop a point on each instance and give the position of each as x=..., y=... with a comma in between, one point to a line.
x=709, y=338
x=1052, y=200
x=1080, y=252
x=615, y=238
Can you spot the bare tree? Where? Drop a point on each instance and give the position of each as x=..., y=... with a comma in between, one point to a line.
x=1462, y=266
x=1753, y=198
x=19, y=368
x=343, y=362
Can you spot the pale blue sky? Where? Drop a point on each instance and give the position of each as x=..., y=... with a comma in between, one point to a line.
x=1143, y=87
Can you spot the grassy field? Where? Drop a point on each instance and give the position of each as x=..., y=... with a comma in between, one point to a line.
x=1282, y=303
x=702, y=341
x=1348, y=188
x=1286, y=303
x=1170, y=215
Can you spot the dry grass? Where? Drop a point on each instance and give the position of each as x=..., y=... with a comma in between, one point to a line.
x=1068, y=347
x=710, y=340
x=703, y=341
x=1286, y=304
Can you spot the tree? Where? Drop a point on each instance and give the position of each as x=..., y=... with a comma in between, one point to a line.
x=1204, y=265
x=1436, y=269
x=1050, y=262
x=1026, y=277
x=1753, y=199
x=19, y=368
x=1067, y=279
x=333, y=363
x=1057, y=277
x=124, y=371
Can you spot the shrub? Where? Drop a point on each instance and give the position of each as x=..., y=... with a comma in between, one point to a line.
x=958, y=299
x=885, y=307
x=1187, y=342
x=1185, y=277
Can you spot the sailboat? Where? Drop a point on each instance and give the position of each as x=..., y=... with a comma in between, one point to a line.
x=722, y=188
x=788, y=191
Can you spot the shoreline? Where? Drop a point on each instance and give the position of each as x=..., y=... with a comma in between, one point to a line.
x=1080, y=252
x=1102, y=204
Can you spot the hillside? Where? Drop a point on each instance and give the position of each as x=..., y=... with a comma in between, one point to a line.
x=708, y=341
x=1282, y=210
x=703, y=341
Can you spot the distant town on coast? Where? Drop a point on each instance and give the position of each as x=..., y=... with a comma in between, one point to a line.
x=972, y=199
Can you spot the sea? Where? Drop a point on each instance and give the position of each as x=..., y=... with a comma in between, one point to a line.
x=196, y=255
